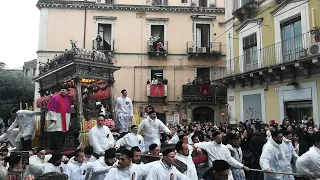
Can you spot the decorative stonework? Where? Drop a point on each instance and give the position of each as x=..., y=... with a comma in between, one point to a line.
x=121, y=7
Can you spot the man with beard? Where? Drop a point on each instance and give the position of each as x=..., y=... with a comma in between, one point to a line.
x=152, y=127
x=218, y=151
x=125, y=169
x=183, y=155
x=308, y=164
x=37, y=163
x=103, y=165
x=136, y=155
x=273, y=157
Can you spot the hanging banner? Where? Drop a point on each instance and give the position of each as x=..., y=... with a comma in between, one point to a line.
x=204, y=89
x=156, y=90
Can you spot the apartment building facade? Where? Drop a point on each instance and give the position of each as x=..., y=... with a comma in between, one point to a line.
x=272, y=59
x=171, y=42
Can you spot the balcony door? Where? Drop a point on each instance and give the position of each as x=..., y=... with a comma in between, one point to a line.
x=250, y=52
x=104, y=31
x=292, y=48
x=203, y=114
x=203, y=74
x=203, y=36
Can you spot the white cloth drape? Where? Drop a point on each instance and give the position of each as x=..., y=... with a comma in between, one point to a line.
x=155, y=33
x=107, y=34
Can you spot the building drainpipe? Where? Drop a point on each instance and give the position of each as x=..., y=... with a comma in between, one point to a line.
x=85, y=24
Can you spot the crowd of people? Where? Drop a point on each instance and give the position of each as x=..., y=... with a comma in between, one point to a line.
x=153, y=150
x=207, y=150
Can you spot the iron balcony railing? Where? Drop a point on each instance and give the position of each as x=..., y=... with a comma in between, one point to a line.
x=199, y=47
x=237, y=4
x=154, y=46
x=160, y=2
x=289, y=50
x=195, y=91
x=106, y=45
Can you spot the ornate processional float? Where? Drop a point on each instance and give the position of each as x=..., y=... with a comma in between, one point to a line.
x=89, y=76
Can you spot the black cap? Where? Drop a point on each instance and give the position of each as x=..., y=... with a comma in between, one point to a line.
x=55, y=157
x=110, y=153
x=14, y=159
x=133, y=126
x=38, y=150
x=151, y=112
x=216, y=134
x=167, y=151
x=220, y=165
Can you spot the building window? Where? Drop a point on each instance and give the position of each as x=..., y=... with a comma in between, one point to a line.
x=34, y=72
x=160, y=2
x=203, y=37
x=104, y=41
x=203, y=3
x=291, y=39
x=156, y=76
x=250, y=52
x=203, y=74
x=27, y=72
x=157, y=43
x=184, y=1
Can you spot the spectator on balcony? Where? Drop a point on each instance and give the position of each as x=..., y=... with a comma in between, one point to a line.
x=160, y=47
x=150, y=43
x=154, y=81
x=148, y=81
x=159, y=81
x=99, y=42
x=165, y=81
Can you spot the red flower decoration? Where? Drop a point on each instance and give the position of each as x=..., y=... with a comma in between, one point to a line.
x=127, y=103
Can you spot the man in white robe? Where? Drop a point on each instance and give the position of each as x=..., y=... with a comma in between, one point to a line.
x=125, y=169
x=55, y=164
x=25, y=119
x=309, y=163
x=175, y=137
x=218, y=151
x=76, y=169
x=165, y=170
x=11, y=137
x=37, y=163
x=291, y=155
x=131, y=140
x=273, y=157
x=88, y=154
x=152, y=127
x=100, y=137
x=183, y=155
x=124, y=109
x=102, y=166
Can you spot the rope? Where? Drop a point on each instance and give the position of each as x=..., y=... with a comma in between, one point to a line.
x=286, y=173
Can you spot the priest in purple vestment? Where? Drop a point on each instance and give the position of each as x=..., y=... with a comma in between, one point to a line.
x=59, y=119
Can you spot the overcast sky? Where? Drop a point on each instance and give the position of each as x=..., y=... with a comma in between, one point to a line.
x=19, y=28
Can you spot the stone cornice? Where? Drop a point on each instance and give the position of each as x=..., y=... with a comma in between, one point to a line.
x=123, y=7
